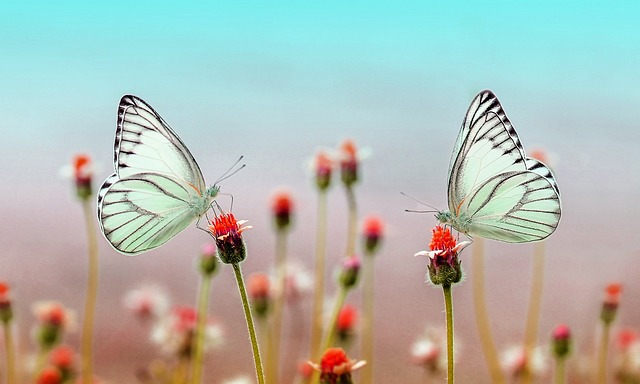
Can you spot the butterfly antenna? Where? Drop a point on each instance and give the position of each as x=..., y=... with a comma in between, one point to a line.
x=434, y=209
x=231, y=171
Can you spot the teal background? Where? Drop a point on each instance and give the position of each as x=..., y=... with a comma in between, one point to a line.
x=273, y=81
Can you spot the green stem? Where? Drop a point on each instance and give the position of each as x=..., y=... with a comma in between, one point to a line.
x=560, y=374
x=353, y=222
x=273, y=356
x=318, y=292
x=602, y=358
x=199, y=337
x=482, y=317
x=448, y=305
x=535, y=302
x=366, y=375
x=10, y=355
x=91, y=294
x=250, y=326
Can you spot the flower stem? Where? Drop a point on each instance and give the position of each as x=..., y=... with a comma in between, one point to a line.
x=318, y=292
x=535, y=302
x=602, y=358
x=560, y=374
x=448, y=305
x=203, y=301
x=276, y=332
x=9, y=354
x=353, y=222
x=250, y=326
x=90, y=299
x=482, y=318
x=366, y=375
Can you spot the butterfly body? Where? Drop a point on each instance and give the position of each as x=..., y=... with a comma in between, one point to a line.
x=157, y=189
x=495, y=191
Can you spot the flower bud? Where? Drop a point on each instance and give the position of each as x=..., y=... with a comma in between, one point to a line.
x=372, y=229
x=6, y=312
x=350, y=270
x=259, y=292
x=323, y=168
x=83, y=174
x=282, y=207
x=611, y=303
x=208, y=260
x=348, y=163
x=561, y=341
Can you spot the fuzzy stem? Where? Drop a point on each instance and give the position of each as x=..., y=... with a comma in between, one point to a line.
x=318, y=292
x=353, y=222
x=366, y=375
x=560, y=371
x=10, y=355
x=250, y=326
x=602, y=358
x=482, y=317
x=448, y=305
x=203, y=302
x=273, y=356
x=91, y=294
x=535, y=302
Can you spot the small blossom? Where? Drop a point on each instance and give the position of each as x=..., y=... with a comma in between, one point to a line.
x=627, y=337
x=611, y=302
x=561, y=341
x=349, y=162
x=49, y=375
x=54, y=319
x=346, y=321
x=81, y=171
x=516, y=361
x=350, y=271
x=335, y=367
x=259, y=292
x=227, y=233
x=208, y=259
x=147, y=302
x=429, y=350
x=627, y=363
x=175, y=332
x=62, y=357
x=6, y=312
x=238, y=380
x=444, y=266
x=372, y=231
x=282, y=208
x=322, y=165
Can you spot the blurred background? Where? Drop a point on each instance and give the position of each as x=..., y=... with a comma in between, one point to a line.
x=275, y=82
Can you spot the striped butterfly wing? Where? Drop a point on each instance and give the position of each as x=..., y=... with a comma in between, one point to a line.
x=488, y=159
x=157, y=189
x=514, y=207
x=143, y=211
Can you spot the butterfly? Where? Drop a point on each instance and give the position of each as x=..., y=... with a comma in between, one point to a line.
x=157, y=189
x=495, y=191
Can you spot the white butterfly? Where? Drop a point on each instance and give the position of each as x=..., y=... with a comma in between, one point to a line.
x=495, y=191
x=157, y=189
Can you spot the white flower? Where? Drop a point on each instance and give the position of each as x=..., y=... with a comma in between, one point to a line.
x=147, y=301
x=238, y=380
x=515, y=361
x=430, y=350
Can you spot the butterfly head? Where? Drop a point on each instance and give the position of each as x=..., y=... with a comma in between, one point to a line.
x=212, y=191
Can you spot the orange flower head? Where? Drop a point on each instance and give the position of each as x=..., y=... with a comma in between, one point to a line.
x=83, y=170
x=227, y=233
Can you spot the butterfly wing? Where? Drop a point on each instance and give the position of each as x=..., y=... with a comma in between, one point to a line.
x=488, y=158
x=146, y=144
x=157, y=189
x=141, y=212
x=514, y=207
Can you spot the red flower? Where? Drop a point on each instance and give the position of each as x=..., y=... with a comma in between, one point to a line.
x=259, y=286
x=282, y=207
x=336, y=367
x=346, y=321
x=611, y=302
x=349, y=162
x=62, y=357
x=49, y=375
x=323, y=168
x=227, y=232
x=82, y=168
x=372, y=230
x=627, y=337
x=444, y=267
x=6, y=313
